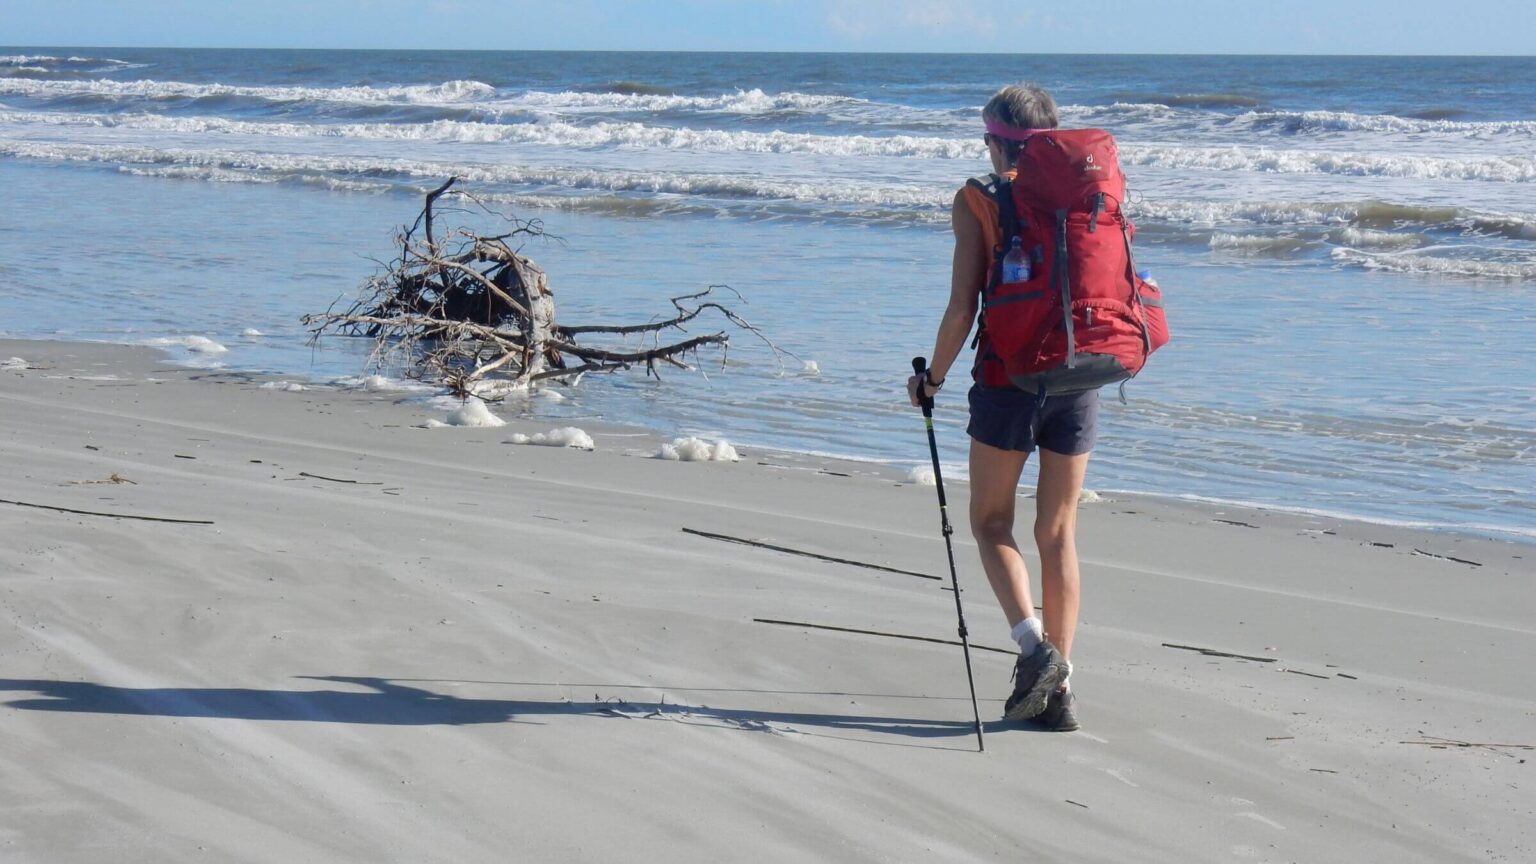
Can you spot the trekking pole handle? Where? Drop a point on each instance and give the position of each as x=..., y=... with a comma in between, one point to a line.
x=920, y=369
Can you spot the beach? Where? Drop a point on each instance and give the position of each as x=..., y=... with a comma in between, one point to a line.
x=367, y=640
x=266, y=601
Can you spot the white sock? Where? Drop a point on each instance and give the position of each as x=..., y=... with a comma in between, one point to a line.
x=1029, y=634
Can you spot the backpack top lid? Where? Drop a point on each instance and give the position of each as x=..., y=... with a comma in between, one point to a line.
x=1066, y=169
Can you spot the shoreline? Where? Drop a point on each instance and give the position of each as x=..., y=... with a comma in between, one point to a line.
x=1301, y=517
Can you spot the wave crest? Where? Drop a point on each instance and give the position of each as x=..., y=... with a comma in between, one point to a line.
x=754, y=101
x=446, y=92
x=552, y=134
x=282, y=166
x=1421, y=262
x=1498, y=169
x=1304, y=122
x=1258, y=244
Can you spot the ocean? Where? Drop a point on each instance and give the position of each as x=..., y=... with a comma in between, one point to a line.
x=1347, y=244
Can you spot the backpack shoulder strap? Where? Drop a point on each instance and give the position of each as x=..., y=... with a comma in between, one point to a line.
x=987, y=183
x=1001, y=192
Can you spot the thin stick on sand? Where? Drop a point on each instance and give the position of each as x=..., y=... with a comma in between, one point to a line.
x=1011, y=652
x=818, y=556
x=107, y=515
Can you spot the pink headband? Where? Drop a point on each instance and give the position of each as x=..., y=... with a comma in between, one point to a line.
x=1009, y=132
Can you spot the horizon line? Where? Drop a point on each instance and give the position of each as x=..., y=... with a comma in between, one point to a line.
x=766, y=51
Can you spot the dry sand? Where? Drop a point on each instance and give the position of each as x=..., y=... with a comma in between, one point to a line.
x=484, y=652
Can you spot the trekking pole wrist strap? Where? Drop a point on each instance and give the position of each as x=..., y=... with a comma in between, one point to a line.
x=928, y=379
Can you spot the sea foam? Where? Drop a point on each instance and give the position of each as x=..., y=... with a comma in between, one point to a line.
x=195, y=344
x=552, y=134
x=473, y=413
x=1342, y=121
x=447, y=92
x=568, y=436
x=698, y=450
x=753, y=101
x=1499, y=169
x=1257, y=244
x=1417, y=262
x=922, y=475
x=283, y=164
x=1371, y=237
x=381, y=384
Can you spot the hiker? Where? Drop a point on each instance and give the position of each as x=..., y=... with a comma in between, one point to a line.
x=1007, y=424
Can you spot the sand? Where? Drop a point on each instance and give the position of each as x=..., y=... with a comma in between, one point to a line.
x=402, y=644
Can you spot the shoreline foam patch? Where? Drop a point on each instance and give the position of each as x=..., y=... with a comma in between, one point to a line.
x=566, y=436
x=698, y=450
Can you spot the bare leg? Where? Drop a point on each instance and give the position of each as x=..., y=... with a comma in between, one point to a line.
x=994, y=489
x=1060, y=485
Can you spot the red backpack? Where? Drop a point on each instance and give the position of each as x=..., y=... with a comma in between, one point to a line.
x=1083, y=318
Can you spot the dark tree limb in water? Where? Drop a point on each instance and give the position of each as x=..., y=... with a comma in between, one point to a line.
x=471, y=312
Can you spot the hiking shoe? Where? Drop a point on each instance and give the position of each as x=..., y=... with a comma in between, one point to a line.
x=1034, y=679
x=1060, y=714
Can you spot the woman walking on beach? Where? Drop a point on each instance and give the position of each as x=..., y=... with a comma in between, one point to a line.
x=1007, y=424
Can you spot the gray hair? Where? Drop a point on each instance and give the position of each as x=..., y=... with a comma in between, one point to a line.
x=1022, y=106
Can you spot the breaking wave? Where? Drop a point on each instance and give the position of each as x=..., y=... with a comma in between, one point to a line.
x=618, y=205
x=49, y=66
x=1258, y=244
x=904, y=203
x=1375, y=217
x=448, y=92
x=635, y=98
x=753, y=101
x=553, y=133
x=1421, y=262
x=1371, y=237
x=887, y=202
x=1500, y=169
x=1302, y=122
x=717, y=185
x=49, y=60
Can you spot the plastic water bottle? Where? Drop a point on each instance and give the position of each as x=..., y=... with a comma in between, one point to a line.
x=1016, y=263
x=1146, y=276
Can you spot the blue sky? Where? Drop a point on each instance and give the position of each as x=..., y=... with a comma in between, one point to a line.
x=1109, y=26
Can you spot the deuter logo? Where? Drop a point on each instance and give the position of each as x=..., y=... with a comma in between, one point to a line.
x=1089, y=166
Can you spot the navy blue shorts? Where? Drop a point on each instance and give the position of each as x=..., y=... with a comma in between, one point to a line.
x=1006, y=418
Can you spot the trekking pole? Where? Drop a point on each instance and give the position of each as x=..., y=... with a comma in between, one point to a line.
x=920, y=366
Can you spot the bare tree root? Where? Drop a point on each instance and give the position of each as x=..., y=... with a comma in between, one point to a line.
x=470, y=312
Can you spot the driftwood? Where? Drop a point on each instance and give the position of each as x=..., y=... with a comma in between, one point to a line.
x=471, y=312
x=108, y=515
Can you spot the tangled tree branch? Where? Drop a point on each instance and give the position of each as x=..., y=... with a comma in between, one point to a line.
x=469, y=311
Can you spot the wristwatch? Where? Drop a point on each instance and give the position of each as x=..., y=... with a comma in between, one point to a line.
x=928, y=379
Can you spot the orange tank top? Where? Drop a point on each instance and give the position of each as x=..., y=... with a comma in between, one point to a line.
x=987, y=370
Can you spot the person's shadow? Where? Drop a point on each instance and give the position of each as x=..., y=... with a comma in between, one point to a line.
x=388, y=703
